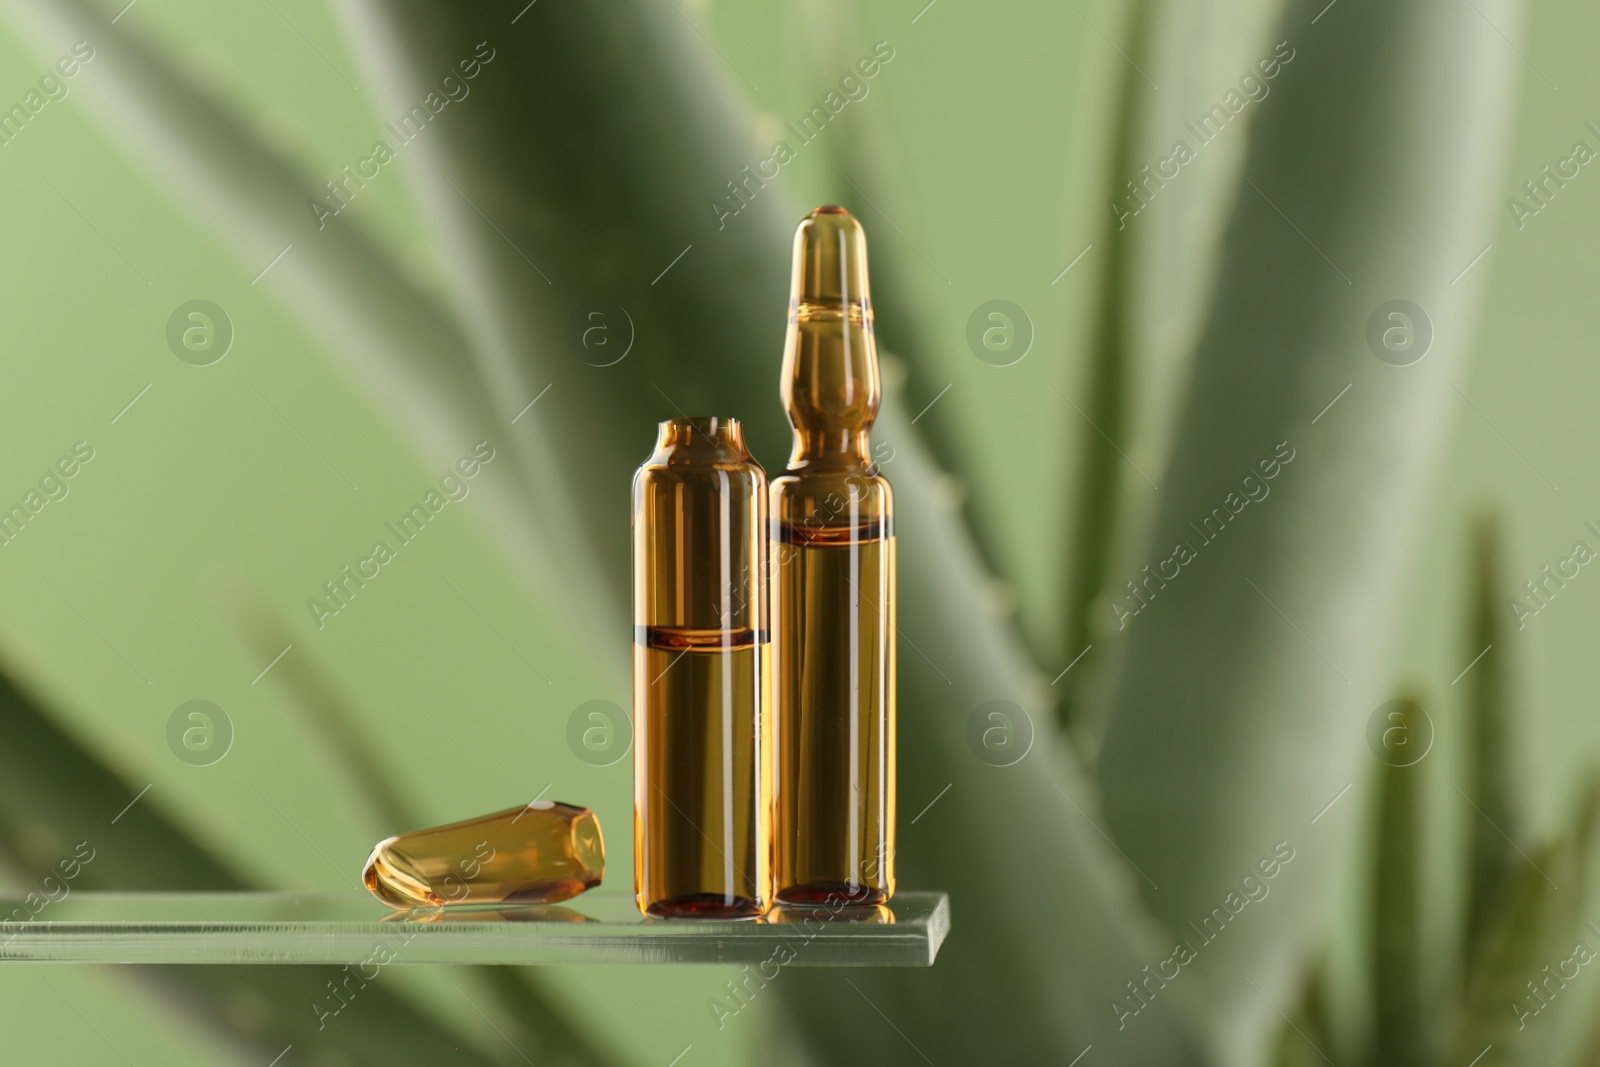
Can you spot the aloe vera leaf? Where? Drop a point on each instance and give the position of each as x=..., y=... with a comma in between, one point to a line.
x=1197, y=53
x=546, y=189
x=1492, y=780
x=1512, y=984
x=1105, y=421
x=1154, y=290
x=1400, y=1036
x=1570, y=1034
x=1239, y=703
x=1307, y=1037
x=395, y=339
x=325, y=711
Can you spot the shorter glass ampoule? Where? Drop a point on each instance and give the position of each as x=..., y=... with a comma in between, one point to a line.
x=702, y=784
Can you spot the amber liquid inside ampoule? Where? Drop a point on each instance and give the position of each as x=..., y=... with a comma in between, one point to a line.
x=702, y=783
x=701, y=815
x=834, y=697
x=833, y=590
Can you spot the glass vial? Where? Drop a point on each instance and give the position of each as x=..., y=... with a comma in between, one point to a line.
x=833, y=588
x=702, y=777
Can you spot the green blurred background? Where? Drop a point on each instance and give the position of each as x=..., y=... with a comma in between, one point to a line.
x=237, y=482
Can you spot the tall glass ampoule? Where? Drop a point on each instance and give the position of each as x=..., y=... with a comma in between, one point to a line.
x=832, y=559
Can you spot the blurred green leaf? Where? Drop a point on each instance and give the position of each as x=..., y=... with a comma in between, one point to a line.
x=328, y=715
x=1160, y=267
x=395, y=338
x=1105, y=420
x=1238, y=705
x=1577, y=1039
x=543, y=212
x=1308, y=1036
x=1529, y=930
x=1399, y=1013
x=55, y=793
x=1492, y=714
x=1505, y=990
x=1197, y=53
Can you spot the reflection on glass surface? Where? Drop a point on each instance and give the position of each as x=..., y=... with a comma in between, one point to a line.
x=528, y=913
x=874, y=914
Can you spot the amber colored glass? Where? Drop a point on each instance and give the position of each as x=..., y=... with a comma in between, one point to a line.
x=832, y=559
x=536, y=854
x=702, y=777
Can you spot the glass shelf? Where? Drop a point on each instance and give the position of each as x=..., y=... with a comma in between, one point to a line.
x=597, y=927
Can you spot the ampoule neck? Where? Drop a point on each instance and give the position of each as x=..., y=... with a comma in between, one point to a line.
x=832, y=449
x=700, y=438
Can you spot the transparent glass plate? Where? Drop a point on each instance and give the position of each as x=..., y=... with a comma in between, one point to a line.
x=597, y=927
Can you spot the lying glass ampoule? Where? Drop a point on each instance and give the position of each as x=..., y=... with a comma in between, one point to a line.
x=833, y=587
x=702, y=780
x=536, y=854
